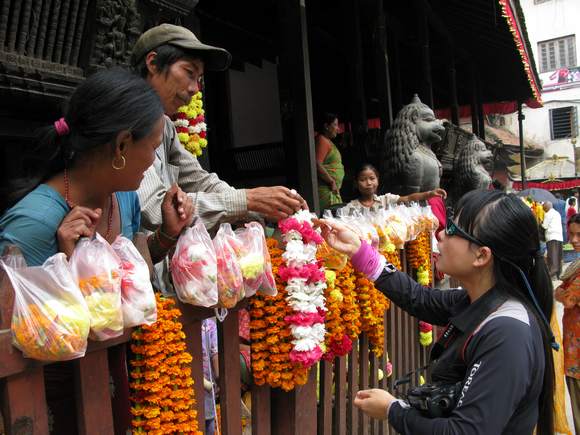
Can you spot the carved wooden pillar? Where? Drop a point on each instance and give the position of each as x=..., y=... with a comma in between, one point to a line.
x=396, y=74
x=480, y=110
x=474, y=105
x=353, y=50
x=427, y=81
x=382, y=70
x=453, y=103
x=522, y=150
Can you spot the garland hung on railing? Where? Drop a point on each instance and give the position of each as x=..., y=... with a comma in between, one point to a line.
x=162, y=394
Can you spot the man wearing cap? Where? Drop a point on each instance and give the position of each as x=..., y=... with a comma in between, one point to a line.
x=173, y=60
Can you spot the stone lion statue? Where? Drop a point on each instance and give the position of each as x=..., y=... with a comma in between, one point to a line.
x=408, y=161
x=470, y=165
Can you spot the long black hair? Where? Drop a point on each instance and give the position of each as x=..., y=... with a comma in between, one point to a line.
x=105, y=104
x=507, y=226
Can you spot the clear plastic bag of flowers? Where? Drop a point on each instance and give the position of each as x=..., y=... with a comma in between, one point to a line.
x=137, y=296
x=50, y=319
x=378, y=219
x=255, y=262
x=430, y=221
x=194, y=267
x=331, y=258
x=97, y=270
x=396, y=225
x=230, y=282
x=364, y=227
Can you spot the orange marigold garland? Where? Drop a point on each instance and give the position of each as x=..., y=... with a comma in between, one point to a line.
x=373, y=305
x=419, y=257
x=161, y=384
x=271, y=336
x=394, y=258
x=350, y=311
x=419, y=260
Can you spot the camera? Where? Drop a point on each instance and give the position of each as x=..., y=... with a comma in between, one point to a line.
x=435, y=400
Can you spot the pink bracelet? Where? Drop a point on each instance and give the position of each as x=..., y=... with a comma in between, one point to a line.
x=368, y=261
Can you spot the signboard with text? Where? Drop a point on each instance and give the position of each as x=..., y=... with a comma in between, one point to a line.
x=560, y=79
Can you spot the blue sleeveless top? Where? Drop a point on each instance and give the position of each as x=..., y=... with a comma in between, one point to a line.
x=31, y=224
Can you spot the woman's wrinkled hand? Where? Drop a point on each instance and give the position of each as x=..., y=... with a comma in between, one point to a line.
x=176, y=211
x=79, y=222
x=374, y=402
x=339, y=236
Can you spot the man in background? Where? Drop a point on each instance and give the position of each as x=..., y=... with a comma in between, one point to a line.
x=554, y=237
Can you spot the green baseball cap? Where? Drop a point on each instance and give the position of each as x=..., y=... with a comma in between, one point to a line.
x=215, y=58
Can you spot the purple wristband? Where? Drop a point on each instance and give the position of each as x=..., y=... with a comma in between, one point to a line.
x=368, y=261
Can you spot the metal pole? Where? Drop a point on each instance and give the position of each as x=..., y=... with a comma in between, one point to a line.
x=521, y=118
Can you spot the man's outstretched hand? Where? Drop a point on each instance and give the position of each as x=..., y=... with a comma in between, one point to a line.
x=274, y=203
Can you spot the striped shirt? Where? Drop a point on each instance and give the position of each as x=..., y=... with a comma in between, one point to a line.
x=214, y=200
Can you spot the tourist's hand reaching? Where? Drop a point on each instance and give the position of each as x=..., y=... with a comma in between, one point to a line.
x=339, y=236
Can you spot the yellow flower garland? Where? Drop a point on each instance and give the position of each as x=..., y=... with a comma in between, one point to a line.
x=190, y=125
x=372, y=304
x=419, y=257
x=160, y=379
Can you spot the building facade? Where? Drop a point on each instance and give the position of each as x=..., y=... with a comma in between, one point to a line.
x=554, y=32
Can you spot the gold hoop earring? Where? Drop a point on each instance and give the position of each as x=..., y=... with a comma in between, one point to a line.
x=118, y=168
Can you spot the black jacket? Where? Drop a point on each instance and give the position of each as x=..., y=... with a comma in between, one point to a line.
x=501, y=365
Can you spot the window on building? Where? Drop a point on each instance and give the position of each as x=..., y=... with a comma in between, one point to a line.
x=557, y=53
x=563, y=122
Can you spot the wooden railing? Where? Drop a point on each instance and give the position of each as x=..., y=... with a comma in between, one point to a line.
x=303, y=411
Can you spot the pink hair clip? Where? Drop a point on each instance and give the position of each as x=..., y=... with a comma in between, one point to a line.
x=61, y=127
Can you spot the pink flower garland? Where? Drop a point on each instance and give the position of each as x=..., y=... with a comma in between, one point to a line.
x=305, y=290
x=309, y=235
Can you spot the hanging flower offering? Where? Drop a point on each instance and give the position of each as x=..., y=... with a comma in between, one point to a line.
x=331, y=258
x=51, y=331
x=98, y=272
x=162, y=394
x=305, y=285
x=230, y=282
x=137, y=296
x=194, y=267
x=337, y=342
x=50, y=320
x=254, y=260
x=191, y=127
x=271, y=336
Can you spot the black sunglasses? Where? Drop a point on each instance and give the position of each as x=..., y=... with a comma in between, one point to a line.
x=453, y=230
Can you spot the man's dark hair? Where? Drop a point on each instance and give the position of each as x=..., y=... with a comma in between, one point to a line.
x=574, y=219
x=167, y=55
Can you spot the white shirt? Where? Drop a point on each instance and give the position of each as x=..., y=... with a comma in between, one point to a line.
x=553, y=226
x=378, y=201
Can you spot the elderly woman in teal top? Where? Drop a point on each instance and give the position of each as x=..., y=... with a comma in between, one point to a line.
x=328, y=162
x=94, y=159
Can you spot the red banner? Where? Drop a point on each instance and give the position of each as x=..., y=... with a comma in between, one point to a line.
x=548, y=185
